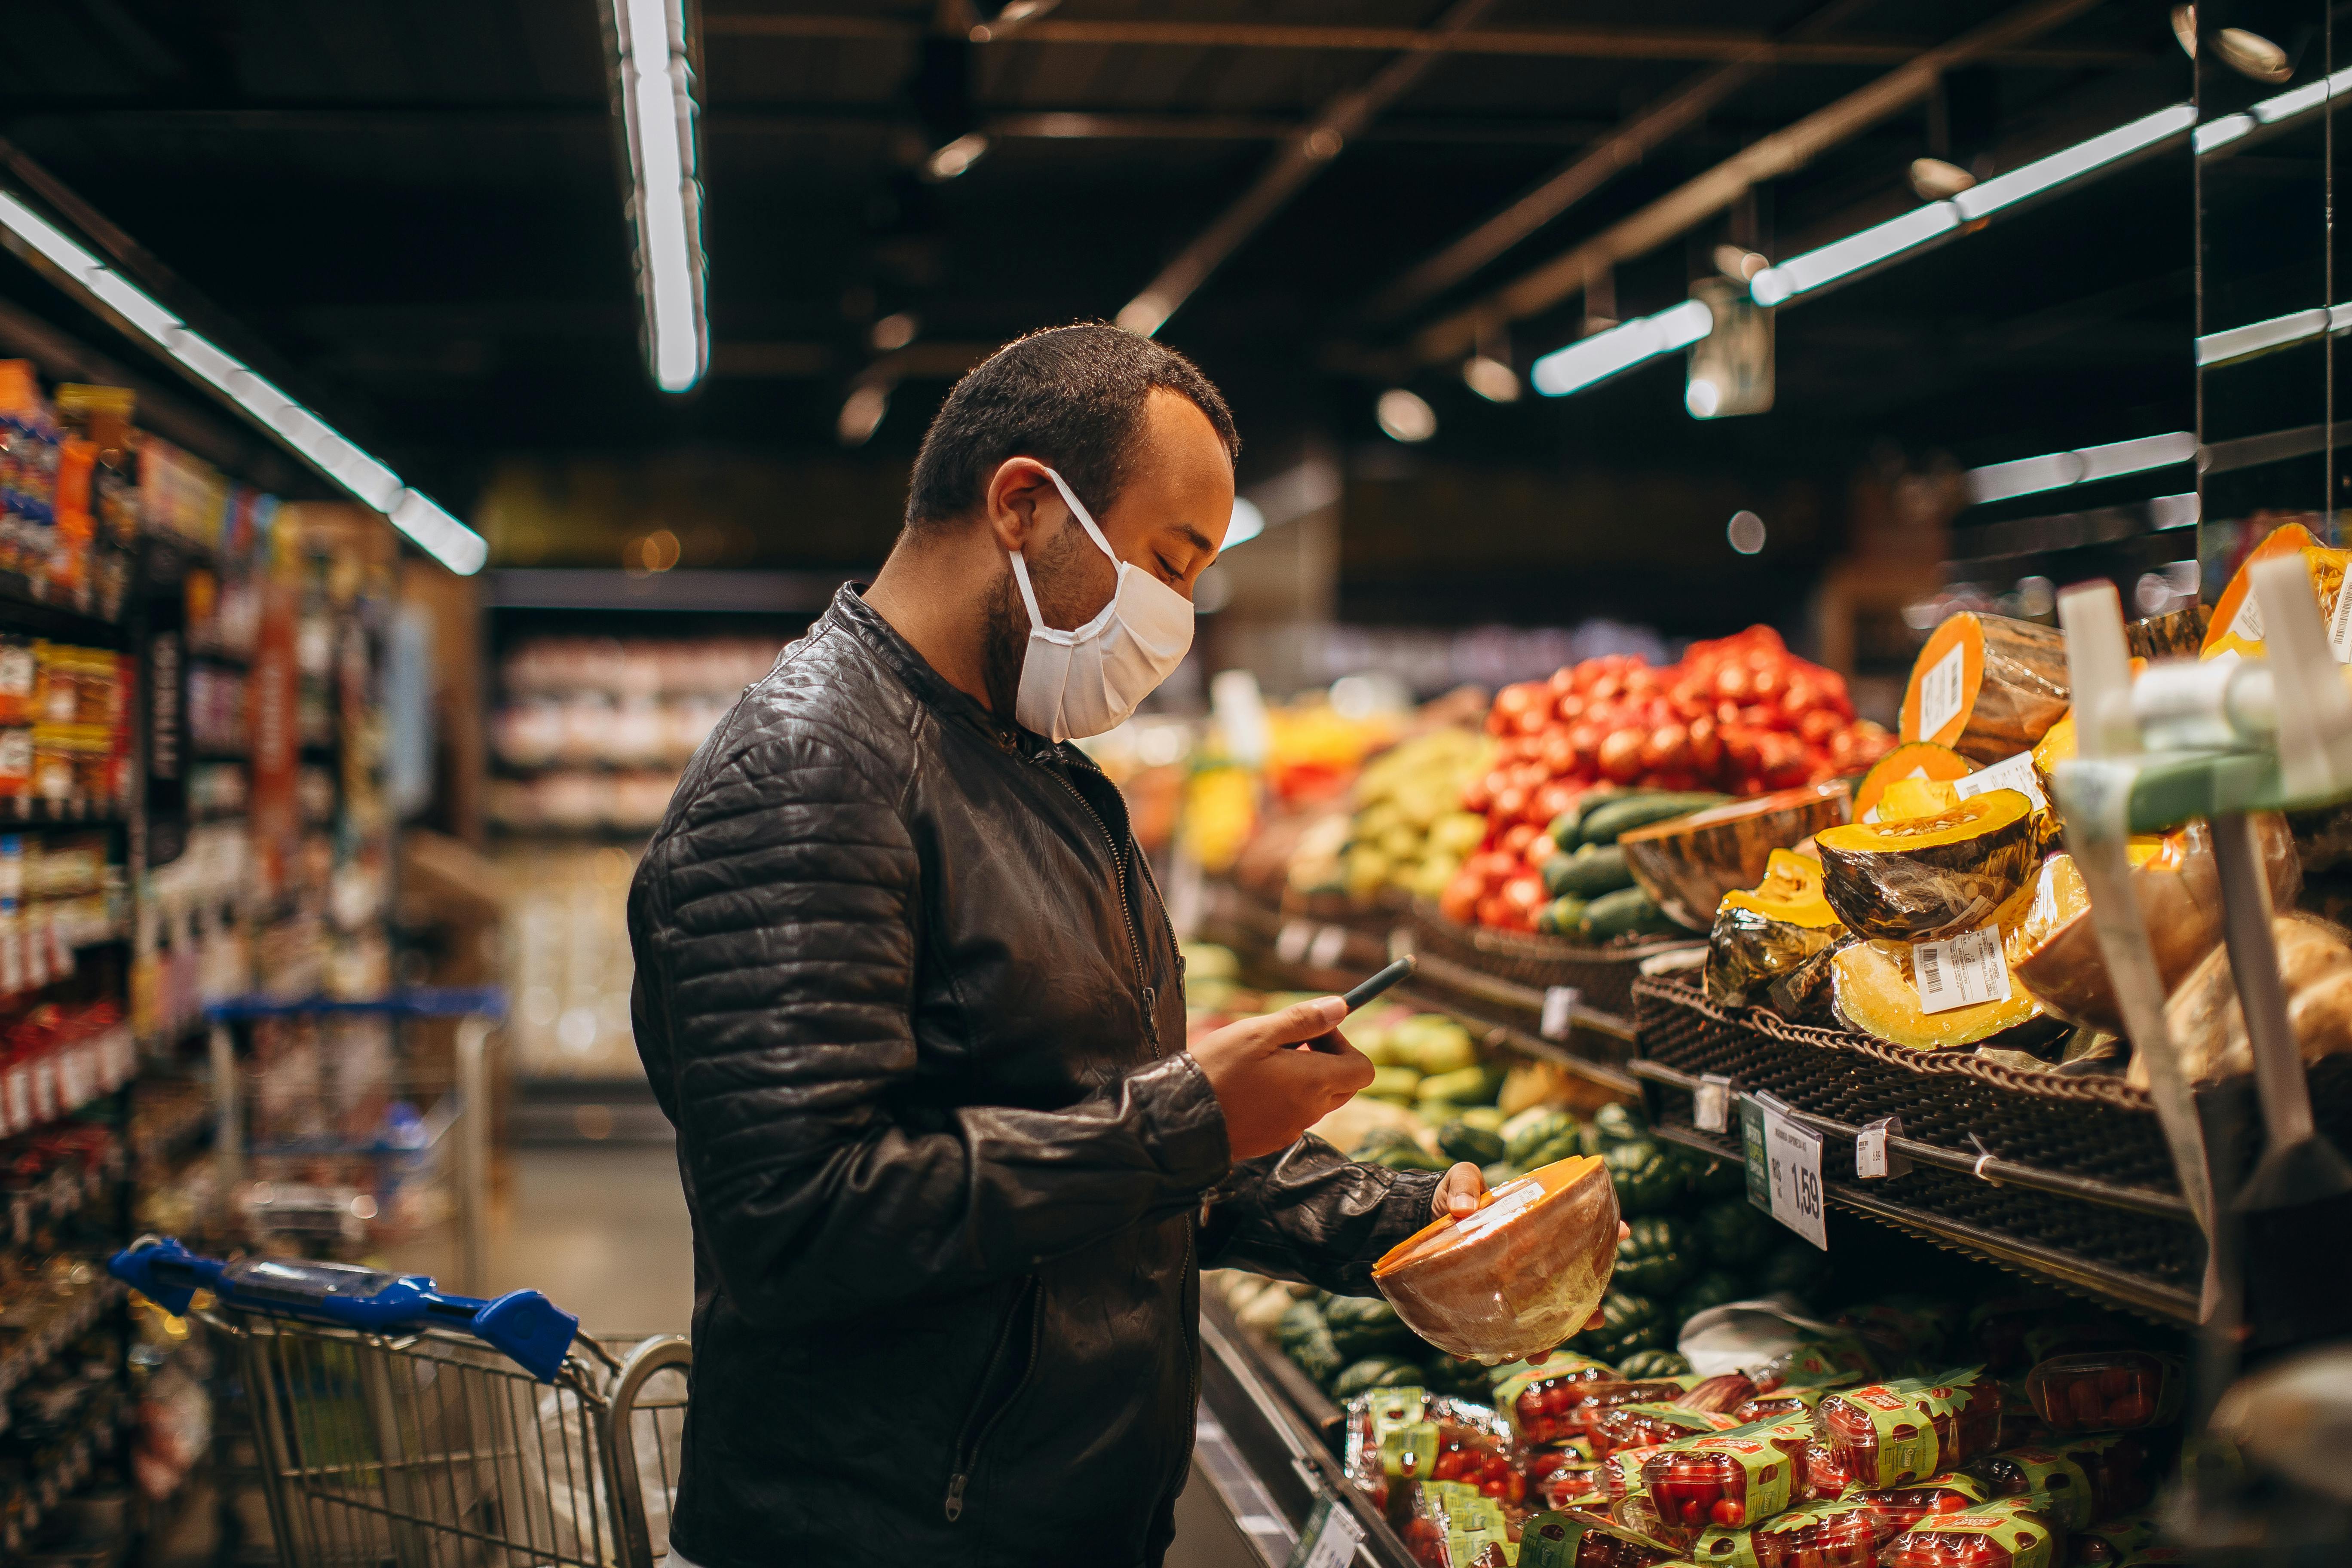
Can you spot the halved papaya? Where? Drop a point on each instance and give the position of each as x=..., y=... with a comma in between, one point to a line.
x=1926, y=877
x=1911, y=760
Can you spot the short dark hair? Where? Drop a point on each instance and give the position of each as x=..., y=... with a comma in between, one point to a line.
x=1070, y=396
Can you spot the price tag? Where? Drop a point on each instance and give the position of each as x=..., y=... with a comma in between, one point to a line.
x=1711, y=1103
x=2010, y=772
x=1296, y=937
x=1329, y=946
x=2248, y=622
x=1960, y=971
x=1872, y=1160
x=1559, y=1011
x=1330, y=1538
x=1784, y=1166
x=1939, y=692
x=2339, y=627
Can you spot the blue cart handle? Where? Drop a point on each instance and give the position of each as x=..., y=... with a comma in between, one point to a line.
x=522, y=1324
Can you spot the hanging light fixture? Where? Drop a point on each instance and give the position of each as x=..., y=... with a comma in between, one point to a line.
x=658, y=110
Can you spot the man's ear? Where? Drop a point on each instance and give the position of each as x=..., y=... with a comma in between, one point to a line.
x=1021, y=504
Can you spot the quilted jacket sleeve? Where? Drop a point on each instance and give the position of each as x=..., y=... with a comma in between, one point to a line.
x=1311, y=1214
x=775, y=951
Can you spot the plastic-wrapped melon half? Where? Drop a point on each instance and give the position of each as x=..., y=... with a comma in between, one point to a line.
x=1519, y=1275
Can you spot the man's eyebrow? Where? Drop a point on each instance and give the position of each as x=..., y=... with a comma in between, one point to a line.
x=1199, y=541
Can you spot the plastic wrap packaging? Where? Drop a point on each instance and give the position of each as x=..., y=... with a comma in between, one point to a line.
x=1952, y=1492
x=1647, y=1426
x=1515, y=1277
x=2080, y=1482
x=1451, y=1525
x=2179, y=893
x=1735, y=1478
x=2008, y=1533
x=2236, y=622
x=2105, y=1391
x=1375, y=1452
x=1986, y=685
x=1689, y=863
x=1875, y=989
x=1544, y=1409
x=1582, y=1538
x=2110, y=1542
x=1565, y=1476
x=1907, y=1429
x=1833, y=1534
x=2208, y=1027
x=1923, y=878
x=1769, y=930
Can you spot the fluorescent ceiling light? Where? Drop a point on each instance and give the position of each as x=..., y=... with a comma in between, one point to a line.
x=2261, y=337
x=1841, y=257
x=1247, y=524
x=436, y=532
x=2221, y=132
x=658, y=110
x=2056, y=470
x=2072, y=163
x=1606, y=353
x=2292, y=102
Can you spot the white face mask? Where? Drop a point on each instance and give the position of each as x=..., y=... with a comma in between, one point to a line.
x=1083, y=682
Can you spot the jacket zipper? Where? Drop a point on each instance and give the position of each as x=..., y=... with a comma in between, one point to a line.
x=969, y=1442
x=1126, y=909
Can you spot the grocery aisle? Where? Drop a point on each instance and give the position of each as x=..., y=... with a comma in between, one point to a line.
x=603, y=1231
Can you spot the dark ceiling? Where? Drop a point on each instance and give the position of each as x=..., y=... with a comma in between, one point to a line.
x=415, y=206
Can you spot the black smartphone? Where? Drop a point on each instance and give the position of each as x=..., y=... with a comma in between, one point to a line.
x=1379, y=983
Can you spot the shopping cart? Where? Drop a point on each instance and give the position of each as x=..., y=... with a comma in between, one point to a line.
x=399, y=1425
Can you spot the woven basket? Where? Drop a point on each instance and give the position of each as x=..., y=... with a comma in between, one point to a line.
x=1603, y=976
x=2094, y=1127
x=1367, y=916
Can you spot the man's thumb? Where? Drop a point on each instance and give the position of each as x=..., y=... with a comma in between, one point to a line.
x=1307, y=1020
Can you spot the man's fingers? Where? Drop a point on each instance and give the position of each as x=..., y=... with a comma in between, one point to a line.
x=1302, y=1021
x=1458, y=1190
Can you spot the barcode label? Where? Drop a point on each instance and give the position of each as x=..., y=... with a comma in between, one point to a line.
x=1960, y=971
x=2010, y=772
x=2247, y=622
x=2045, y=899
x=2339, y=627
x=1940, y=693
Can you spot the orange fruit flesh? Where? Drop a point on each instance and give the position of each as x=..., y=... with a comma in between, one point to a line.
x=1498, y=1207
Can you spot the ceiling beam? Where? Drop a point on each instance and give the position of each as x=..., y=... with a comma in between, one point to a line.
x=1297, y=162
x=1781, y=152
x=1641, y=134
x=1565, y=43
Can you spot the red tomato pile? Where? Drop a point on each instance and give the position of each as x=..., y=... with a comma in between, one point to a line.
x=1741, y=715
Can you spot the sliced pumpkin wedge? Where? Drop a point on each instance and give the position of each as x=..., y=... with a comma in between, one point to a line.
x=1763, y=932
x=1911, y=760
x=1876, y=992
x=1925, y=877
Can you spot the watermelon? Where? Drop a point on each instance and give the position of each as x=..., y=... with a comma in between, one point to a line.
x=1646, y=1181
x=1305, y=1341
x=1796, y=1266
x=1642, y=1365
x=1712, y=1289
x=1613, y=1124
x=1630, y=1323
x=1461, y=1141
x=1361, y=1328
x=1654, y=1259
x=1735, y=1233
x=1374, y=1372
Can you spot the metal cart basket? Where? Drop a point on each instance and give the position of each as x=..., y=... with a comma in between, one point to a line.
x=432, y=1450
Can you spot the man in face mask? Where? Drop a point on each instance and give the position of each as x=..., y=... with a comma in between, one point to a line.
x=905, y=987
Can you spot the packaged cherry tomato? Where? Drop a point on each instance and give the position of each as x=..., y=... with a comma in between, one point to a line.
x=1998, y=1328
x=1377, y=1453
x=2105, y=1391
x=1822, y=1471
x=1833, y=1534
x=2114, y=1541
x=1907, y=1429
x=2074, y=1481
x=1646, y=1426
x=1436, y=1511
x=1789, y=1399
x=1546, y=1408
x=1620, y=1472
x=1731, y=1479
x=2008, y=1533
x=1564, y=1477
x=1953, y=1492
x=1582, y=1539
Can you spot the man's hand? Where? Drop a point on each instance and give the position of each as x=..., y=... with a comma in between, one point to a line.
x=1277, y=1076
x=1458, y=1192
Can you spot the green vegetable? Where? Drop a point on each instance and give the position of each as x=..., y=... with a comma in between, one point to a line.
x=1465, y=1085
x=1461, y=1141
x=1795, y=1267
x=1485, y=1118
x=1613, y=1124
x=1408, y=1157
x=1303, y=1337
x=1434, y=1043
x=1736, y=1232
x=1532, y=1132
x=1365, y=1326
x=1655, y=1259
x=1561, y=916
x=1606, y=821
x=1564, y=1147
x=1629, y=911
x=1393, y=1083
x=1708, y=1176
x=1496, y=1174
x=1592, y=870
x=1712, y=1289
x=1645, y=1364
x=1645, y=1182
x=1377, y=1139
x=1374, y=1372
x=1629, y=1322
x=1443, y=1374
x=1568, y=827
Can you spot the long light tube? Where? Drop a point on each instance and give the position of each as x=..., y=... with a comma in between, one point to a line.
x=2234, y=343
x=2056, y=470
x=2073, y=162
x=1840, y=258
x=1605, y=353
x=436, y=532
x=658, y=105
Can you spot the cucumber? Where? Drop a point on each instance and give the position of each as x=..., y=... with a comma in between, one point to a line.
x=1592, y=870
x=1626, y=913
x=1567, y=827
x=1603, y=826
x=1561, y=916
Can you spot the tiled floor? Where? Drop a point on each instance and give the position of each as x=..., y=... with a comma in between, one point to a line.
x=603, y=1231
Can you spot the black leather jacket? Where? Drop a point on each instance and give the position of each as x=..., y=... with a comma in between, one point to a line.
x=905, y=987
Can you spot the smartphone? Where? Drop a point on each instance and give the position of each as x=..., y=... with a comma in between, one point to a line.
x=1379, y=983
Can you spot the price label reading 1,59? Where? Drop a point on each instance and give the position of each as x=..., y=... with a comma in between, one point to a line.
x=1792, y=1152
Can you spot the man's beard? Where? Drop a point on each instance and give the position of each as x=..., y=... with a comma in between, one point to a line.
x=1005, y=645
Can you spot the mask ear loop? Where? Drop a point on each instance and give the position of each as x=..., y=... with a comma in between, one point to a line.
x=1084, y=521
